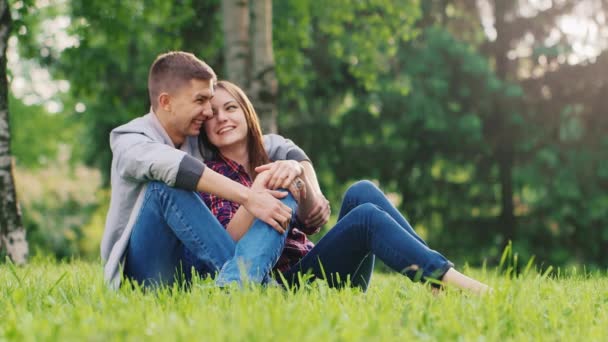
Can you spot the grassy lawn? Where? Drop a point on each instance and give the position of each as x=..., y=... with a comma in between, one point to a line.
x=49, y=301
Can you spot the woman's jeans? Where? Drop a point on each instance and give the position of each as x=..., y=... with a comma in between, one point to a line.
x=368, y=226
x=175, y=231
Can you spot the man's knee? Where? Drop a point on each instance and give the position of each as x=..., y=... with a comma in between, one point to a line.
x=158, y=185
x=162, y=187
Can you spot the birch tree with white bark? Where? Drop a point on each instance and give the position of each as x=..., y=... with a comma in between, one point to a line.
x=12, y=233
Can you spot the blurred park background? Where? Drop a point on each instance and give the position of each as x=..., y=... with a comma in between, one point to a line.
x=484, y=119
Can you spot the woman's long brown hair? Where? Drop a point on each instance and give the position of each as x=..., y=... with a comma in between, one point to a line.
x=255, y=142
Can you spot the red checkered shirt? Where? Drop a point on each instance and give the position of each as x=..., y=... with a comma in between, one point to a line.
x=297, y=244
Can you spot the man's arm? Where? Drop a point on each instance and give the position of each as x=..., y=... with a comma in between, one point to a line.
x=319, y=210
x=140, y=158
x=279, y=148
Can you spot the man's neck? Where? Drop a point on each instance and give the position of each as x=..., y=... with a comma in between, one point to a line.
x=162, y=116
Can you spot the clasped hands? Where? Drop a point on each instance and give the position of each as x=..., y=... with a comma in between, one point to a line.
x=313, y=207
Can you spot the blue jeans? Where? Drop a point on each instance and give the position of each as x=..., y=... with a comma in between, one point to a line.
x=175, y=231
x=368, y=226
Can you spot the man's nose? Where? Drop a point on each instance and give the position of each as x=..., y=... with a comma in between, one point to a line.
x=207, y=112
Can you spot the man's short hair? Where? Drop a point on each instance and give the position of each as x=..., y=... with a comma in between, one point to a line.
x=173, y=70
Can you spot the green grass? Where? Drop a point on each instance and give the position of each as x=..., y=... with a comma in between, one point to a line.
x=49, y=301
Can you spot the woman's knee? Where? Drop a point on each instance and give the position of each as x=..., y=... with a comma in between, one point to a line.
x=360, y=189
x=289, y=200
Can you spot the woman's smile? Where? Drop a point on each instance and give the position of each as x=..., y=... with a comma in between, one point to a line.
x=225, y=129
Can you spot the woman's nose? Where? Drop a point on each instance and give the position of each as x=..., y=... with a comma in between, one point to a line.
x=221, y=116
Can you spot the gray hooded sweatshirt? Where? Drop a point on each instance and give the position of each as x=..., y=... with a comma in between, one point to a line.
x=141, y=152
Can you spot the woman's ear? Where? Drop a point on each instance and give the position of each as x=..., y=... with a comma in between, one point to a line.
x=164, y=101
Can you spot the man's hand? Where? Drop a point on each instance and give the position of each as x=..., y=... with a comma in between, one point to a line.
x=264, y=204
x=282, y=173
x=319, y=214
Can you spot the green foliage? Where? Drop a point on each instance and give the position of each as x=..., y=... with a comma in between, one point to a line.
x=324, y=51
x=37, y=136
x=395, y=91
x=68, y=301
x=57, y=203
x=426, y=144
x=116, y=43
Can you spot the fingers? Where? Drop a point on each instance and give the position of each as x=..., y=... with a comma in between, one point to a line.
x=282, y=173
x=266, y=206
x=314, y=213
x=319, y=215
x=281, y=178
x=279, y=194
x=320, y=221
x=282, y=209
x=276, y=226
x=281, y=216
x=264, y=167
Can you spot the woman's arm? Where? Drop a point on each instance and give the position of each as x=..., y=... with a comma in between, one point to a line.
x=243, y=219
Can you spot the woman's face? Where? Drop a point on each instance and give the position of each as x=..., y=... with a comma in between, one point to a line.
x=228, y=126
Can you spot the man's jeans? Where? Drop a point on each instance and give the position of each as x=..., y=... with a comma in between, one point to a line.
x=368, y=226
x=176, y=231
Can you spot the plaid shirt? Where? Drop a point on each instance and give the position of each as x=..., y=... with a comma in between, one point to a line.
x=297, y=244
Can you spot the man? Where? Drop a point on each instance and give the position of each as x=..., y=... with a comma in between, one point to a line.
x=156, y=223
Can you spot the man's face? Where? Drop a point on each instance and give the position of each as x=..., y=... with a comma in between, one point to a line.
x=189, y=107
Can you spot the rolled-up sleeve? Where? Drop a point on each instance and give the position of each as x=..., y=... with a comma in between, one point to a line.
x=189, y=173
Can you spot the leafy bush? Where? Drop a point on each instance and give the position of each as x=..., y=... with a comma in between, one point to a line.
x=57, y=204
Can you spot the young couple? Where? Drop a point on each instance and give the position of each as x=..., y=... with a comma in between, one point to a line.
x=246, y=223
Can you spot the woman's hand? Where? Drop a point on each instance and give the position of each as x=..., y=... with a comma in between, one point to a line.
x=265, y=205
x=282, y=173
x=281, y=220
x=319, y=211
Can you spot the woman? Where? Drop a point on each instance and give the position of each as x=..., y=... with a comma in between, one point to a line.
x=368, y=224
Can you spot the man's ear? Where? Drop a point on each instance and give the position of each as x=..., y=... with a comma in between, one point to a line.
x=164, y=101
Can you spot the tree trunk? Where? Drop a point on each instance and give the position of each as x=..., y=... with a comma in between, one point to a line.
x=12, y=234
x=249, y=57
x=263, y=86
x=235, y=23
x=504, y=146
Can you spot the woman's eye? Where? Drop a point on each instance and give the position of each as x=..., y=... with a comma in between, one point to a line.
x=231, y=107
